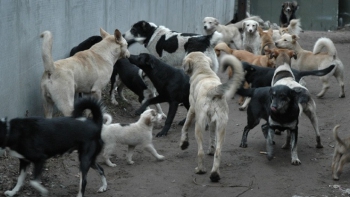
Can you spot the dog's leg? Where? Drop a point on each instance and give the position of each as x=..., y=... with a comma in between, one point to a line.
x=150, y=148
x=325, y=86
x=100, y=171
x=340, y=79
x=169, y=120
x=294, y=147
x=22, y=176
x=212, y=138
x=85, y=164
x=200, y=169
x=184, y=131
x=269, y=143
x=107, y=151
x=310, y=112
x=48, y=107
x=129, y=154
x=335, y=162
x=38, y=167
x=121, y=92
x=113, y=85
x=158, y=107
x=245, y=104
x=343, y=159
x=151, y=101
x=220, y=136
x=287, y=143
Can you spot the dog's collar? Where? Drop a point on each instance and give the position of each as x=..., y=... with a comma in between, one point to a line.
x=7, y=136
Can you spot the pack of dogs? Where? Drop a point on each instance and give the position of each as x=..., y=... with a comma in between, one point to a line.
x=265, y=67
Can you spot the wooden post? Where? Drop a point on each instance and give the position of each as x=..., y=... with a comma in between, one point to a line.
x=242, y=9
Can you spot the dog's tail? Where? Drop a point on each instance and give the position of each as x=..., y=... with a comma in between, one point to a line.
x=222, y=47
x=246, y=92
x=321, y=72
x=229, y=88
x=47, y=51
x=91, y=104
x=336, y=136
x=107, y=118
x=328, y=44
x=294, y=25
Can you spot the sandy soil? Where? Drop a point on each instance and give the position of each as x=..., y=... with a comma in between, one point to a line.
x=244, y=171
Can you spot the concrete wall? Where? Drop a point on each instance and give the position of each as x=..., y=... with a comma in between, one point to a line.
x=72, y=21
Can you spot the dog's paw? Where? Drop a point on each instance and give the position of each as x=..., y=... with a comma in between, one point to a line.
x=110, y=164
x=161, y=158
x=342, y=95
x=184, y=145
x=243, y=145
x=296, y=162
x=10, y=193
x=200, y=171
x=161, y=134
x=130, y=162
x=241, y=108
x=215, y=177
x=211, y=150
x=163, y=116
x=114, y=102
x=102, y=189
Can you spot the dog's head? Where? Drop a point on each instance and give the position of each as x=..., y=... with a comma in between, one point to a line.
x=140, y=32
x=287, y=41
x=194, y=61
x=121, y=47
x=281, y=99
x=250, y=26
x=282, y=56
x=144, y=61
x=151, y=118
x=289, y=7
x=210, y=24
x=248, y=71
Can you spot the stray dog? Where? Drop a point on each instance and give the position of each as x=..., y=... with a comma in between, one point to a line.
x=130, y=75
x=239, y=24
x=208, y=106
x=288, y=12
x=86, y=44
x=284, y=76
x=86, y=72
x=251, y=38
x=230, y=33
x=307, y=60
x=266, y=40
x=341, y=154
x=170, y=46
x=134, y=134
x=282, y=56
x=34, y=140
x=172, y=85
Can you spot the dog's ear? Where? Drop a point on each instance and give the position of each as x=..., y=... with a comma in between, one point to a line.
x=145, y=25
x=103, y=33
x=216, y=22
x=294, y=38
x=118, y=36
x=243, y=25
x=295, y=5
x=187, y=65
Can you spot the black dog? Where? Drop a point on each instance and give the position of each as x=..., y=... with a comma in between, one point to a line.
x=172, y=85
x=288, y=13
x=34, y=140
x=86, y=44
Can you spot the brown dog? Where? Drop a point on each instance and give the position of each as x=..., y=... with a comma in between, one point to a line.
x=86, y=72
x=341, y=154
x=282, y=56
x=266, y=40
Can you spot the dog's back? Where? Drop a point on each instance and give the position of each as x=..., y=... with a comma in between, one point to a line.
x=86, y=44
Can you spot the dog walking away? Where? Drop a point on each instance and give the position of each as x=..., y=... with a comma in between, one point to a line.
x=172, y=85
x=170, y=46
x=288, y=12
x=307, y=60
x=86, y=72
x=35, y=140
x=138, y=133
x=86, y=44
x=341, y=154
x=208, y=106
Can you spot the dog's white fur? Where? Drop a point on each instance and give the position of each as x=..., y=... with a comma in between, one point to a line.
x=86, y=72
x=251, y=37
x=230, y=33
x=208, y=106
x=341, y=154
x=134, y=134
x=294, y=28
x=307, y=60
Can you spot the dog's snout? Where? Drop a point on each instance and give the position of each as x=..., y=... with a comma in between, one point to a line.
x=205, y=27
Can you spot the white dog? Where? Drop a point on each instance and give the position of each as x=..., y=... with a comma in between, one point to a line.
x=251, y=37
x=86, y=72
x=134, y=134
x=230, y=33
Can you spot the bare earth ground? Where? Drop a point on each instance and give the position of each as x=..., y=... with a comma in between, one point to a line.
x=244, y=171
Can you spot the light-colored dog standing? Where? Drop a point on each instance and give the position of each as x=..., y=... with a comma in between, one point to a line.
x=307, y=60
x=86, y=72
x=208, y=106
x=134, y=134
x=251, y=38
x=341, y=154
x=230, y=33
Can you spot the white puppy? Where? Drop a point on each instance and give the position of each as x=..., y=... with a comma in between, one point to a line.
x=138, y=133
x=230, y=33
x=251, y=38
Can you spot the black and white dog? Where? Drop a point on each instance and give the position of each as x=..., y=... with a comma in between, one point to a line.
x=172, y=85
x=34, y=140
x=288, y=12
x=170, y=46
x=86, y=44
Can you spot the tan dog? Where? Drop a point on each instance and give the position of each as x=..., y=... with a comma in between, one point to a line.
x=86, y=72
x=341, y=154
x=266, y=40
x=282, y=56
x=208, y=106
x=307, y=60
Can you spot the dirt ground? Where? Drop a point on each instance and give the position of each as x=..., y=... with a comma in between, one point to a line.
x=244, y=171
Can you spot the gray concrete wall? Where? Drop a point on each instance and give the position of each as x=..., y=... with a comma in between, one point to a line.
x=72, y=21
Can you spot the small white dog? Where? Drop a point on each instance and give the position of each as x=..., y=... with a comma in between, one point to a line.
x=251, y=37
x=230, y=33
x=134, y=134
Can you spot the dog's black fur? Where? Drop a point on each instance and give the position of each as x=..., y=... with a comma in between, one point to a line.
x=172, y=85
x=38, y=139
x=269, y=101
x=288, y=12
x=258, y=76
x=86, y=44
x=129, y=76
